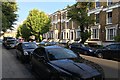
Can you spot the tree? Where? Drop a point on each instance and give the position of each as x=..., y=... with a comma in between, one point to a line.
x=23, y=31
x=38, y=22
x=8, y=15
x=19, y=34
x=79, y=13
x=117, y=38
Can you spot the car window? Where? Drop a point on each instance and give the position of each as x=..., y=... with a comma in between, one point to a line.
x=11, y=41
x=39, y=51
x=60, y=53
x=74, y=44
x=113, y=46
x=29, y=46
x=82, y=45
x=118, y=46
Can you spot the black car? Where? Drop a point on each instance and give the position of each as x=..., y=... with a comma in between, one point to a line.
x=111, y=51
x=10, y=43
x=81, y=48
x=58, y=63
x=24, y=51
x=5, y=39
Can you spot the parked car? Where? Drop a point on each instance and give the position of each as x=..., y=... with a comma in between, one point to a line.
x=1, y=41
x=6, y=38
x=10, y=43
x=81, y=48
x=58, y=63
x=24, y=51
x=43, y=43
x=111, y=51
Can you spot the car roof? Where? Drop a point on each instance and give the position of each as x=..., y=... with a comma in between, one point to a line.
x=27, y=42
x=115, y=43
x=51, y=47
x=10, y=39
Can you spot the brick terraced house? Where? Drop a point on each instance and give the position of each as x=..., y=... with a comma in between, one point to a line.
x=106, y=27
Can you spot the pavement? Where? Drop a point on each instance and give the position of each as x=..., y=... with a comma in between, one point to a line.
x=12, y=67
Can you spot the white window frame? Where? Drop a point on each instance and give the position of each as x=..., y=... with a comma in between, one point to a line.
x=114, y=33
x=92, y=34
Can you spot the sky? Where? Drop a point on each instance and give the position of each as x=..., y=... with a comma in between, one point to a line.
x=48, y=7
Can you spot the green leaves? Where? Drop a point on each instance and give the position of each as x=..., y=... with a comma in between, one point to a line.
x=117, y=38
x=78, y=13
x=8, y=15
x=36, y=24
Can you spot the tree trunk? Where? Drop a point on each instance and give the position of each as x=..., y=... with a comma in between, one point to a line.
x=39, y=37
x=82, y=34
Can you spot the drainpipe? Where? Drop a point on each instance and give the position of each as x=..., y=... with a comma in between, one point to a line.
x=59, y=34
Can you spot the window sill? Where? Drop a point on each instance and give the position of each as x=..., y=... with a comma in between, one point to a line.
x=108, y=23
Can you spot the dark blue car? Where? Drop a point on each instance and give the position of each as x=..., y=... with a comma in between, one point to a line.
x=81, y=48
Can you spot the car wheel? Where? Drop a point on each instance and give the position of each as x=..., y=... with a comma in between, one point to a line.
x=99, y=55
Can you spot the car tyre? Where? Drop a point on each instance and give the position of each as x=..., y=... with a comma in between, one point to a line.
x=99, y=55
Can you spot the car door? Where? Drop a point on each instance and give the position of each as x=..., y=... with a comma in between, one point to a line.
x=116, y=53
x=75, y=47
x=19, y=50
x=111, y=51
x=39, y=63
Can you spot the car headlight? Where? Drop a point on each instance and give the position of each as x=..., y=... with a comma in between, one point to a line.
x=90, y=50
x=25, y=53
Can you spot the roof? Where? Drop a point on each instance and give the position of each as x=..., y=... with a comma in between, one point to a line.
x=54, y=46
x=27, y=42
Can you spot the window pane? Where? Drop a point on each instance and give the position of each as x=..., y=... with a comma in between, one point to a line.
x=95, y=33
x=111, y=34
x=97, y=18
x=97, y=4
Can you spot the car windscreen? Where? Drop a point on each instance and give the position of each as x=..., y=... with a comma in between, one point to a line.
x=60, y=53
x=11, y=41
x=29, y=46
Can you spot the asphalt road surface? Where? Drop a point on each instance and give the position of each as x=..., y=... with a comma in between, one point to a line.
x=12, y=67
x=110, y=67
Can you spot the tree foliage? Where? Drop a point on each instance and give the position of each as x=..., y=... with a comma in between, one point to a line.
x=36, y=24
x=79, y=13
x=8, y=15
x=117, y=38
x=19, y=34
x=23, y=31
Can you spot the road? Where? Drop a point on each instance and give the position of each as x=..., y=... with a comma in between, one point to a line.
x=110, y=67
x=13, y=68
